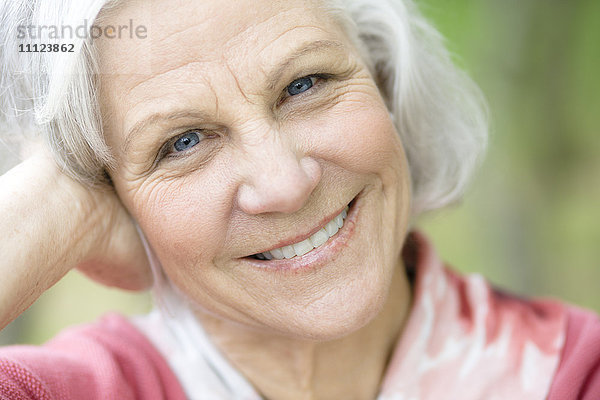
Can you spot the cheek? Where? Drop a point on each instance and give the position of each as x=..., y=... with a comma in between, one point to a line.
x=364, y=141
x=360, y=138
x=184, y=219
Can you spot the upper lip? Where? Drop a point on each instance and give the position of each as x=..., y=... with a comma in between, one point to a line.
x=304, y=236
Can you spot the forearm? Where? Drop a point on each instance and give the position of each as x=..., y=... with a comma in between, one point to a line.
x=44, y=229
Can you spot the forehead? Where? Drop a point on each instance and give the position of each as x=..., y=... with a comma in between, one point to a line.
x=191, y=41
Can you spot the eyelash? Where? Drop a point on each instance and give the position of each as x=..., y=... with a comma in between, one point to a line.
x=166, y=149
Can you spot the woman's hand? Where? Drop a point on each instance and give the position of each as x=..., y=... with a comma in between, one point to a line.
x=49, y=224
x=118, y=257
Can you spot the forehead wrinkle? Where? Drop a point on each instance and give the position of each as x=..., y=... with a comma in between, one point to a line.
x=236, y=80
x=287, y=31
x=227, y=49
x=234, y=40
x=159, y=54
x=214, y=92
x=160, y=74
x=253, y=32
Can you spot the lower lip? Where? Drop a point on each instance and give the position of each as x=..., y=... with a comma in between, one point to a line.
x=320, y=256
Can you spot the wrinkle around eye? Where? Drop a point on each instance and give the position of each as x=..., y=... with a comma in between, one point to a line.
x=145, y=184
x=349, y=94
x=147, y=192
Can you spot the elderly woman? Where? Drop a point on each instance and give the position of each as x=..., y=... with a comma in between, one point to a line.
x=261, y=165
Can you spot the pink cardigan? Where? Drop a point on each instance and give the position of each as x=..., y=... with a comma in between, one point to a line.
x=463, y=339
x=109, y=359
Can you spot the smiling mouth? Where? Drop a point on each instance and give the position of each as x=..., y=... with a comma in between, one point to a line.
x=316, y=240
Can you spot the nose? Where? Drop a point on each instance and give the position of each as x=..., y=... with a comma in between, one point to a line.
x=276, y=178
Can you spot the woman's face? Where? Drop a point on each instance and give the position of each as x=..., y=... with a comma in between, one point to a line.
x=241, y=127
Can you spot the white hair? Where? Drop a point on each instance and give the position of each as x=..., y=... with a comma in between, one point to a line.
x=437, y=110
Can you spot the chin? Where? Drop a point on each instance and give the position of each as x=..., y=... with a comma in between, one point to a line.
x=340, y=313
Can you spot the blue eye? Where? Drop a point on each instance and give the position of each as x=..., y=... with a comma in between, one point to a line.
x=186, y=141
x=300, y=85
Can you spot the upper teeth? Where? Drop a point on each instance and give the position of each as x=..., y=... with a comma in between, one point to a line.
x=303, y=247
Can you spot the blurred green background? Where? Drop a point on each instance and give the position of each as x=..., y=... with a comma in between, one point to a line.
x=531, y=221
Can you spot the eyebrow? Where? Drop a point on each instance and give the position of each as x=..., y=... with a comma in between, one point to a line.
x=274, y=77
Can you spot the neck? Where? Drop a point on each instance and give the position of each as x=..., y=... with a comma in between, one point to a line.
x=283, y=368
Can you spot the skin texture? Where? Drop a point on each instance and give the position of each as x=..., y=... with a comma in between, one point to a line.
x=269, y=168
